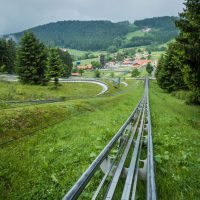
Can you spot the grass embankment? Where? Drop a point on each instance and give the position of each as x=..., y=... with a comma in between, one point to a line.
x=16, y=91
x=15, y=122
x=176, y=139
x=47, y=164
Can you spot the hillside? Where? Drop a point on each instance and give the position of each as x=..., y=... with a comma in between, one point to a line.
x=83, y=35
x=152, y=31
x=99, y=35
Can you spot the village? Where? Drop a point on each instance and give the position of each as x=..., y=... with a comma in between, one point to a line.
x=121, y=68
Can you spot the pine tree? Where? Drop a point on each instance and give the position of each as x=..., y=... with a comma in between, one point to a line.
x=3, y=51
x=11, y=50
x=149, y=68
x=102, y=60
x=7, y=55
x=31, y=60
x=67, y=62
x=168, y=73
x=97, y=74
x=135, y=72
x=54, y=66
x=189, y=41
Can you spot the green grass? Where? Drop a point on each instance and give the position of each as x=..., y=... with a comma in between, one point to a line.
x=176, y=146
x=16, y=122
x=130, y=35
x=79, y=53
x=87, y=61
x=47, y=164
x=105, y=74
x=155, y=55
x=17, y=91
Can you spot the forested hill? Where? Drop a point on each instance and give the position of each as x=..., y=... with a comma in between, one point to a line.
x=157, y=22
x=84, y=35
x=100, y=35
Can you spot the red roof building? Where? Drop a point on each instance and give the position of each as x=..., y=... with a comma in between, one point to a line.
x=140, y=63
x=85, y=67
x=75, y=74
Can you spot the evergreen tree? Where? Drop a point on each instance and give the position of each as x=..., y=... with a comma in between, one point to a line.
x=7, y=55
x=97, y=74
x=189, y=41
x=168, y=73
x=3, y=52
x=95, y=64
x=67, y=62
x=81, y=71
x=54, y=66
x=31, y=60
x=135, y=72
x=119, y=56
x=11, y=49
x=102, y=60
x=149, y=68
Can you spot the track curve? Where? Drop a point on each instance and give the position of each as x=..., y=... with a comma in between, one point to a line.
x=102, y=84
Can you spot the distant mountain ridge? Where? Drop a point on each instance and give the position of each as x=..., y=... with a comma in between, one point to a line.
x=96, y=35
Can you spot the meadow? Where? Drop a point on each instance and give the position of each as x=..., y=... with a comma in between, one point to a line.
x=43, y=163
x=46, y=164
x=176, y=146
x=16, y=91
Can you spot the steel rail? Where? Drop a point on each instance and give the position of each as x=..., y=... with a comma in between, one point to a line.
x=120, y=166
x=151, y=185
x=130, y=187
x=131, y=170
x=79, y=186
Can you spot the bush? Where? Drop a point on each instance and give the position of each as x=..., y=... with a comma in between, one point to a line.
x=97, y=74
x=135, y=73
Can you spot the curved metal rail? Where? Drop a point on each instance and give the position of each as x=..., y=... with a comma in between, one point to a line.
x=9, y=104
x=131, y=143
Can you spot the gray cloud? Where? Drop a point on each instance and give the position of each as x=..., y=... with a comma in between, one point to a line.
x=17, y=15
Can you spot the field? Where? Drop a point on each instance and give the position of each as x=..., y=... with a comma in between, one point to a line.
x=50, y=145
x=47, y=163
x=155, y=55
x=134, y=34
x=16, y=91
x=87, y=61
x=176, y=146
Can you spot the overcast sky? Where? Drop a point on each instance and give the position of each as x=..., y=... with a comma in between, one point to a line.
x=18, y=15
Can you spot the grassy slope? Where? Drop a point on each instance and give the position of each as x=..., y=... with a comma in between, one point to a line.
x=155, y=55
x=79, y=53
x=176, y=146
x=20, y=120
x=88, y=61
x=46, y=165
x=18, y=91
x=130, y=35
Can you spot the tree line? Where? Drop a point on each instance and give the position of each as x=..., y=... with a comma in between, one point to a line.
x=33, y=61
x=179, y=67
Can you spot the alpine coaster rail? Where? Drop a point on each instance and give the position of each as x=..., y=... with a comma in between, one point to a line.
x=127, y=158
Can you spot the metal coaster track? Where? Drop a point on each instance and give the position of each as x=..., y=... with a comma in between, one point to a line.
x=132, y=142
